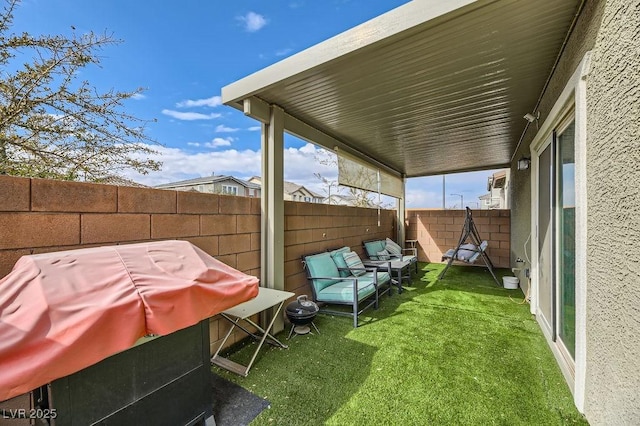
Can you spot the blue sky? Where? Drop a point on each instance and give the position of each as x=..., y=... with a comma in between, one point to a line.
x=184, y=52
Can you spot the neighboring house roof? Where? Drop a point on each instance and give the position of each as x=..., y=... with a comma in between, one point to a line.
x=208, y=180
x=499, y=179
x=290, y=187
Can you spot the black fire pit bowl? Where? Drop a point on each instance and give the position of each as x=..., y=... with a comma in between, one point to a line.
x=300, y=313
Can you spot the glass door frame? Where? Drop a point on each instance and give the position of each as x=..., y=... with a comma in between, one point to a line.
x=539, y=301
x=571, y=101
x=556, y=229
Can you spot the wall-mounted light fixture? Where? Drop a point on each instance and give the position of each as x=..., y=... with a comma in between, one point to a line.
x=524, y=163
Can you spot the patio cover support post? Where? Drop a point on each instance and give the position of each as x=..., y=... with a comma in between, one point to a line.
x=272, y=203
x=401, y=211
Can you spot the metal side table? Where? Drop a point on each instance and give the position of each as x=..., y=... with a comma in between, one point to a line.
x=266, y=298
x=399, y=268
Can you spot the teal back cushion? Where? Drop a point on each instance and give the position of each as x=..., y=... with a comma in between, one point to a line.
x=338, y=259
x=321, y=265
x=373, y=247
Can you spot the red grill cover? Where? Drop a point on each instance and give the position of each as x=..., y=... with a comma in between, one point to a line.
x=62, y=312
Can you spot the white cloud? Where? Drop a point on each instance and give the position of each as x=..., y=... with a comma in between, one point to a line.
x=253, y=21
x=254, y=128
x=284, y=52
x=221, y=128
x=311, y=149
x=217, y=142
x=138, y=96
x=178, y=165
x=213, y=101
x=189, y=116
x=299, y=166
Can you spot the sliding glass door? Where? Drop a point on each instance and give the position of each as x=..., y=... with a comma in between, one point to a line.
x=556, y=237
x=566, y=238
x=545, y=237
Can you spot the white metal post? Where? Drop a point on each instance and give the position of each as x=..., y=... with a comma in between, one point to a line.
x=272, y=238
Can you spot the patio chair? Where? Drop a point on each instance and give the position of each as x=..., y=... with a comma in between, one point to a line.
x=382, y=270
x=388, y=249
x=354, y=285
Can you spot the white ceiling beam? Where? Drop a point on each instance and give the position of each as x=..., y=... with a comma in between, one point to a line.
x=257, y=108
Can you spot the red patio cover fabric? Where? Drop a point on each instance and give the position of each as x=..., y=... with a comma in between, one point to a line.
x=64, y=311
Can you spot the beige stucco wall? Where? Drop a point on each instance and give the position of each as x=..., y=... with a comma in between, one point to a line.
x=611, y=30
x=613, y=218
x=580, y=42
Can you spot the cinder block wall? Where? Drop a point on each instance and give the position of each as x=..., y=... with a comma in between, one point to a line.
x=38, y=215
x=312, y=228
x=439, y=230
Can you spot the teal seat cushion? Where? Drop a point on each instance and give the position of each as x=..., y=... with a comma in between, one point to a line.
x=409, y=258
x=342, y=292
x=338, y=259
x=383, y=277
x=321, y=265
x=384, y=255
x=373, y=247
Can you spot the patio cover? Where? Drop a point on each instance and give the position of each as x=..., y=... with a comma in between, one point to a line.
x=428, y=88
x=64, y=311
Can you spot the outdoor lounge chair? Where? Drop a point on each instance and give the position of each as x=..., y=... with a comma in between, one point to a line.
x=346, y=270
x=388, y=250
x=341, y=283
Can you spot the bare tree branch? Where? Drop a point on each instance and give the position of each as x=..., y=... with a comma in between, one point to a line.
x=54, y=126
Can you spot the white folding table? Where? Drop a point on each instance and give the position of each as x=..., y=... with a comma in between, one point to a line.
x=266, y=298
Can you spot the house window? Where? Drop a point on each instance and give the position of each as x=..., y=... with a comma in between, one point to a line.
x=307, y=199
x=229, y=189
x=251, y=192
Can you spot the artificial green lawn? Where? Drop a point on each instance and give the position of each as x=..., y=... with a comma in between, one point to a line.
x=457, y=351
